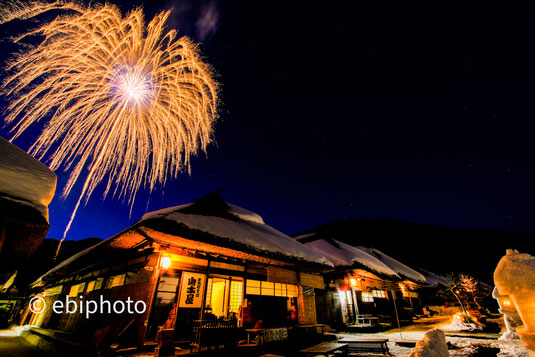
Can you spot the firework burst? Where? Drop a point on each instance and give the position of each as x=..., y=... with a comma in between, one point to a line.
x=125, y=102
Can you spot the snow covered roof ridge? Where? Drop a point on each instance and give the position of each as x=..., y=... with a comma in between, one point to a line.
x=345, y=255
x=24, y=179
x=230, y=223
x=70, y=260
x=434, y=279
x=400, y=268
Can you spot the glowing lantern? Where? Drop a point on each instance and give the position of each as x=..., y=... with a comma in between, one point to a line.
x=165, y=262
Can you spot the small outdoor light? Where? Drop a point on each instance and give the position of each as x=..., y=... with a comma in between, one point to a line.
x=353, y=282
x=165, y=262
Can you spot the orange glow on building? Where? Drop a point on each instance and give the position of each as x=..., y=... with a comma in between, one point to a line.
x=165, y=262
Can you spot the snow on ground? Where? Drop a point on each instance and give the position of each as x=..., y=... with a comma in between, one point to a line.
x=459, y=346
x=467, y=347
x=24, y=179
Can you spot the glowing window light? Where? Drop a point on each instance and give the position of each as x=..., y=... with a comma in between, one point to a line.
x=367, y=296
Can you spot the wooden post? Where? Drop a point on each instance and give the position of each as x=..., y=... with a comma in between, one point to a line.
x=396, y=310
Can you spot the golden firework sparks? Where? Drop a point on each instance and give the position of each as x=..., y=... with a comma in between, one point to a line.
x=125, y=101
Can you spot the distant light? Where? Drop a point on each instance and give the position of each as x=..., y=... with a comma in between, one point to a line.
x=506, y=302
x=166, y=262
x=353, y=281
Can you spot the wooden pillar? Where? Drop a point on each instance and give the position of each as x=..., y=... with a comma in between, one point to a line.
x=306, y=308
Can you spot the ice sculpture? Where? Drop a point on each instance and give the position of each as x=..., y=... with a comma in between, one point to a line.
x=515, y=277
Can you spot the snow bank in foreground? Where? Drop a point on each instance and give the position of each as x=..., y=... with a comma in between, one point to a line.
x=24, y=179
x=432, y=345
x=469, y=347
x=458, y=346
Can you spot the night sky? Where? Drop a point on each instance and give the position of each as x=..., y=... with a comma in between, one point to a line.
x=421, y=111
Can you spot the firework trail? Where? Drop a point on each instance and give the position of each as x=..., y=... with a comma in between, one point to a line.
x=125, y=101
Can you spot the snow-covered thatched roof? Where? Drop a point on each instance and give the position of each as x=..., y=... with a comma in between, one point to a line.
x=344, y=255
x=435, y=280
x=207, y=223
x=212, y=220
x=24, y=179
x=401, y=269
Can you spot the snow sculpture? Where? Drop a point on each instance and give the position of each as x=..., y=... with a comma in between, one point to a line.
x=515, y=276
x=432, y=345
x=510, y=316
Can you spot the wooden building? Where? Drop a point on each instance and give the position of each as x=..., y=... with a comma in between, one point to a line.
x=366, y=287
x=203, y=261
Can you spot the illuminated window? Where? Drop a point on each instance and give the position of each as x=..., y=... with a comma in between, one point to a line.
x=54, y=291
x=225, y=296
x=253, y=287
x=236, y=288
x=367, y=297
x=291, y=290
x=116, y=280
x=268, y=288
x=280, y=289
x=98, y=284
x=411, y=294
x=379, y=294
x=166, y=292
x=349, y=298
x=342, y=295
x=76, y=289
x=209, y=290
x=91, y=286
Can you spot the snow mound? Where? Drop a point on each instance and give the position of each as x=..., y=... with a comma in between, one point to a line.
x=432, y=345
x=24, y=179
x=509, y=336
x=458, y=324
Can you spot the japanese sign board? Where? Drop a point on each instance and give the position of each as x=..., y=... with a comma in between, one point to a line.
x=191, y=290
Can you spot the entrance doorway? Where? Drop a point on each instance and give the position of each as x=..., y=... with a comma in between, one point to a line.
x=224, y=296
